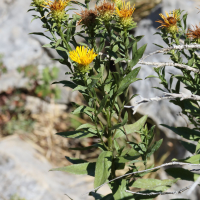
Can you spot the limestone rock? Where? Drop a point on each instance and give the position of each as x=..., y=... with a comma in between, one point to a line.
x=25, y=172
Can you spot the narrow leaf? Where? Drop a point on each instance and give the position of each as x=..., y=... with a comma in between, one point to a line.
x=83, y=168
x=131, y=128
x=76, y=134
x=103, y=168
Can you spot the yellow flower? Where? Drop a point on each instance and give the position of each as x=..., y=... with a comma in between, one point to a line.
x=57, y=8
x=170, y=22
x=194, y=34
x=83, y=56
x=125, y=14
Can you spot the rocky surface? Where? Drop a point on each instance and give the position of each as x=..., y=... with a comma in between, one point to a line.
x=25, y=172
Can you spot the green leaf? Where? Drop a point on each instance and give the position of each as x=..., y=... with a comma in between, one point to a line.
x=119, y=193
x=80, y=88
x=193, y=159
x=154, y=147
x=75, y=160
x=189, y=146
x=97, y=196
x=154, y=184
x=185, y=132
x=85, y=126
x=83, y=168
x=184, y=21
x=103, y=168
x=137, y=55
x=115, y=48
x=40, y=33
x=128, y=79
x=66, y=84
x=131, y=128
x=76, y=134
x=82, y=109
x=197, y=150
x=151, y=76
x=116, y=126
x=182, y=174
x=103, y=103
x=61, y=49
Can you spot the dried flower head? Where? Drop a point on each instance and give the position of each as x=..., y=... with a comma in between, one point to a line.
x=105, y=10
x=57, y=8
x=83, y=56
x=125, y=14
x=88, y=17
x=170, y=22
x=194, y=34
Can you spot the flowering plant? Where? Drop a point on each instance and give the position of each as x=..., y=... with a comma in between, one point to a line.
x=102, y=70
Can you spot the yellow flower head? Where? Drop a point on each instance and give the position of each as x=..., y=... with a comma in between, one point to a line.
x=170, y=22
x=194, y=34
x=83, y=56
x=105, y=10
x=125, y=14
x=57, y=8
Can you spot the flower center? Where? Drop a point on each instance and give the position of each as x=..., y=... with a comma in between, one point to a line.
x=172, y=20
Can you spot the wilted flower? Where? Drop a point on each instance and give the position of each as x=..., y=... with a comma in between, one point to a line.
x=57, y=8
x=194, y=34
x=105, y=10
x=88, y=17
x=170, y=22
x=83, y=56
x=125, y=14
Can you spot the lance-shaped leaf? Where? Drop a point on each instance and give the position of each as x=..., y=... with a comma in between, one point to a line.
x=67, y=83
x=154, y=147
x=83, y=168
x=193, y=159
x=76, y=134
x=82, y=109
x=182, y=174
x=137, y=55
x=119, y=193
x=75, y=160
x=185, y=132
x=116, y=126
x=154, y=184
x=128, y=79
x=103, y=168
x=131, y=128
x=103, y=103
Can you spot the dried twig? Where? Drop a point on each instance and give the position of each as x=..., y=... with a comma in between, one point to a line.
x=161, y=64
x=175, y=47
x=138, y=172
x=166, y=95
x=160, y=193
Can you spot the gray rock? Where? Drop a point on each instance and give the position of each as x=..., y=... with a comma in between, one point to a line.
x=25, y=172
